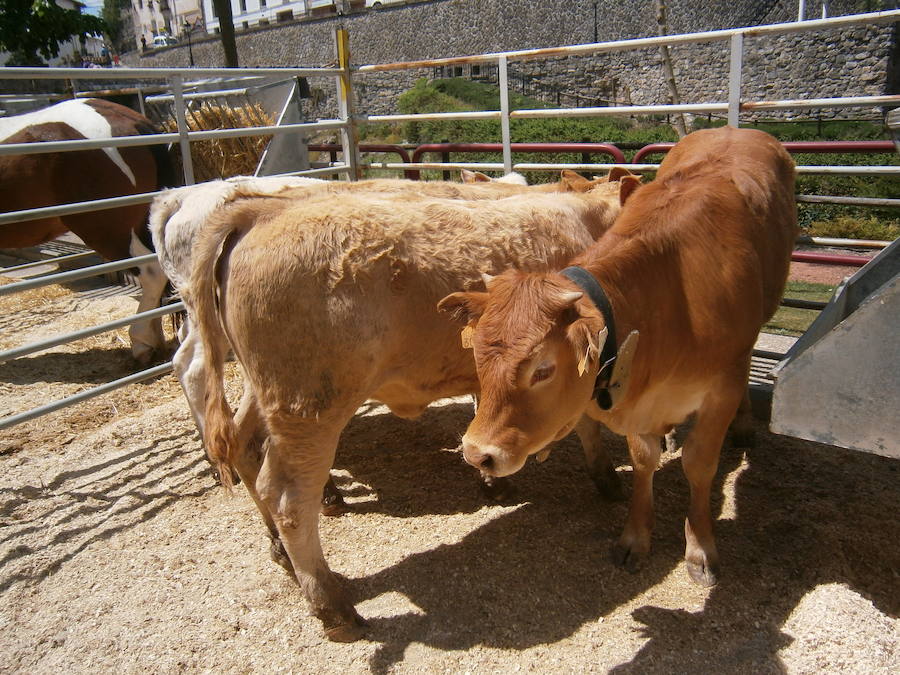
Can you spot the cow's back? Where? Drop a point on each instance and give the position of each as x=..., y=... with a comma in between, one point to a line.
x=344, y=289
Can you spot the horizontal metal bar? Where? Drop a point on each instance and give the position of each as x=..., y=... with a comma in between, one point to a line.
x=420, y=117
x=645, y=43
x=324, y=171
x=85, y=395
x=851, y=170
x=493, y=166
x=56, y=340
x=536, y=113
x=74, y=275
x=76, y=207
x=828, y=259
x=44, y=147
x=851, y=201
x=843, y=243
x=158, y=73
x=845, y=102
x=797, y=303
x=48, y=261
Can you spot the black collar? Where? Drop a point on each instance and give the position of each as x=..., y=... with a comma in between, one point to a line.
x=589, y=284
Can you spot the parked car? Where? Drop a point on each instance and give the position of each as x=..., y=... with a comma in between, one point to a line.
x=163, y=40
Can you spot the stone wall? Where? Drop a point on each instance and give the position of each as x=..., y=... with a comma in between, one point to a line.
x=855, y=61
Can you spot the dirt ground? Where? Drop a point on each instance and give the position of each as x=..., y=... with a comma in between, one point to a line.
x=119, y=552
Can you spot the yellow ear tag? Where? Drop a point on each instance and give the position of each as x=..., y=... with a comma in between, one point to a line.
x=466, y=337
x=618, y=382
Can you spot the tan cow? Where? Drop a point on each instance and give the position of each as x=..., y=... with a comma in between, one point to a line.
x=693, y=267
x=330, y=301
x=177, y=216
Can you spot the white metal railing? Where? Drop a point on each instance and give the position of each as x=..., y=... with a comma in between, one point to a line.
x=348, y=122
x=183, y=137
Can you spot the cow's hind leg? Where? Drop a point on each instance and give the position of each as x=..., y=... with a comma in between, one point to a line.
x=700, y=460
x=743, y=435
x=599, y=464
x=634, y=544
x=147, y=336
x=290, y=483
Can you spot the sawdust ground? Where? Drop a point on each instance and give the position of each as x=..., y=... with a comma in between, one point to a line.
x=119, y=553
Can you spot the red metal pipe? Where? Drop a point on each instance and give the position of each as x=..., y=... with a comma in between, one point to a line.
x=829, y=259
x=795, y=147
x=602, y=148
x=368, y=147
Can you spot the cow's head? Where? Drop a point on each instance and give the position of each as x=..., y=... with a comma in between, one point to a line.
x=536, y=340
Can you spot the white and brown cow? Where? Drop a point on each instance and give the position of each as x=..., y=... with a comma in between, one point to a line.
x=329, y=301
x=682, y=283
x=49, y=179
x=178, y=215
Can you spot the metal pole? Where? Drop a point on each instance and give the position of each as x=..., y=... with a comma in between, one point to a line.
x=187, y=162
x=504, y=115
x=349, y=134
x=734, y=79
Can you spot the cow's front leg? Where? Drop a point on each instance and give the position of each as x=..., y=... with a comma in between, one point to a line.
x=634, y=544
x=290, y=483
x=146, y=336
x=599, y=464
x=700, y=460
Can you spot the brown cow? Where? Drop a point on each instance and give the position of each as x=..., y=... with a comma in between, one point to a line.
x=330, y=301
x=693, y=267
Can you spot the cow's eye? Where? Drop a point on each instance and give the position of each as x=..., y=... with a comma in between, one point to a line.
x=542, y=372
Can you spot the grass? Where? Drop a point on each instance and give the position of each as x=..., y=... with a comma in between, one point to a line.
x=792, y=321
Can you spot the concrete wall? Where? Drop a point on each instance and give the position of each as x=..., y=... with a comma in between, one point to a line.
x=833, y=63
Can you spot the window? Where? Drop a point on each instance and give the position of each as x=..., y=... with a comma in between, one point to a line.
x=244, y=7
x=284, y=16
x=262, y=3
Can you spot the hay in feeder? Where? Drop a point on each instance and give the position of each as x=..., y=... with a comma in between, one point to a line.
x=225, y=157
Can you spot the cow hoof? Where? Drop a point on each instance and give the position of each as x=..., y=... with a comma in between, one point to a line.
x=280, y=556
x=743, y=439
x=609, y=486
x=497, y=489
x=703, y=574
x=627, y=558
x=349, y=630
x=334, y=509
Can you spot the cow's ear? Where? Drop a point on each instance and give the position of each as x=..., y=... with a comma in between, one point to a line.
x=569, y=181
x=617, y=173
x=474, y=176
x=628, y=184
x=464, y=307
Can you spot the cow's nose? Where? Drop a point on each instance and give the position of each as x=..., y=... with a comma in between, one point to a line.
x=474, y=455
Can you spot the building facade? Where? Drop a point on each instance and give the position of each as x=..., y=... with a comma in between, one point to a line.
x=165, y=18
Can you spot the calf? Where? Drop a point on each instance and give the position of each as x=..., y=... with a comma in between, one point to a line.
x=330, y=301
x=655, y=322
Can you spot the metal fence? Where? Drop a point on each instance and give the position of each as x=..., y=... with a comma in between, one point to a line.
x=347, y=123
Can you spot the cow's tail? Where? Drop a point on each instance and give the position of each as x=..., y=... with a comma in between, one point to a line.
x=219, y=432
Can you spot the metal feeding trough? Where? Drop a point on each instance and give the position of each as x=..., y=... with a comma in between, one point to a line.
x=281, y=99
x=840, y=382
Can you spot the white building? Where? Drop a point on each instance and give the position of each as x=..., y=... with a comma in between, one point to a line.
x=154, y=18
x=249, y=13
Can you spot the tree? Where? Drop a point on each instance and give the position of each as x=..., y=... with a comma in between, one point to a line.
x=222, y=10
x=31, y=29
x=120, y=31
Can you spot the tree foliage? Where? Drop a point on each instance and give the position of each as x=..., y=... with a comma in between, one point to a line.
x=120, y=31
x=32, y=29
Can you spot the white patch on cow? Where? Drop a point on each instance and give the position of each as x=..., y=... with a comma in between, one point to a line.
x=78, y=115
